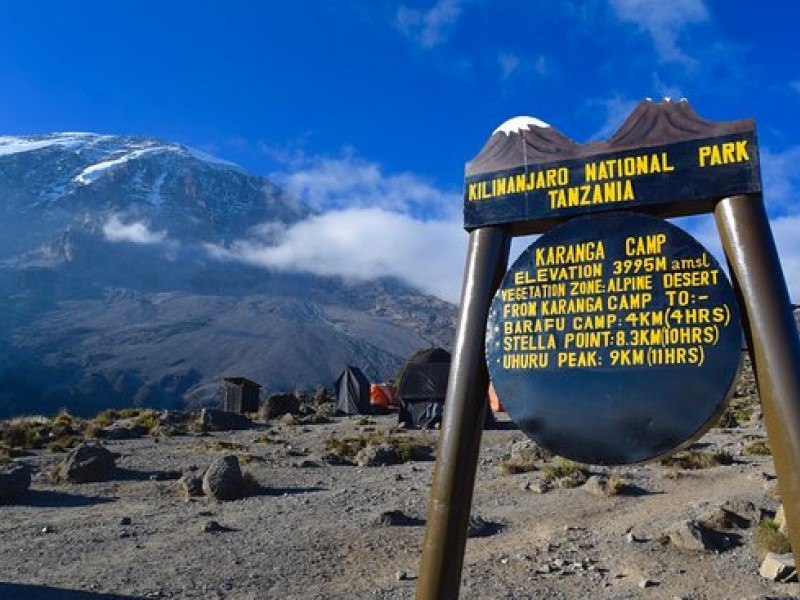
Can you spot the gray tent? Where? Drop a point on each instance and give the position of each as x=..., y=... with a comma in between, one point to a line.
x=352, y=392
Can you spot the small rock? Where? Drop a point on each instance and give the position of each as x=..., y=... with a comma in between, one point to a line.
x=378, y=455
x=646, y=583
x=778, y=567
x=391, y=518
x=630, y=538
x=125, y=429
x=15, y=479
x=212, y=527
x=596, y=485
x=191, y=483
x=478, y=527
x=336, y=460
x=223, y=479
x=571, y=481
x=125, y=521
x=401, y=576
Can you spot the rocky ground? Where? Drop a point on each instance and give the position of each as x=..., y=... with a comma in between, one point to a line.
x=309, y=527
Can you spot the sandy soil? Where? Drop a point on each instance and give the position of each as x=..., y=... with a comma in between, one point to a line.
x=315, y=531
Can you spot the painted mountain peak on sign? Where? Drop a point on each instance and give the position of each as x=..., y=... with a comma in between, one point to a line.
x=650, y=124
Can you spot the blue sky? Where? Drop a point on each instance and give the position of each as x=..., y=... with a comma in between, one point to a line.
x=369, y=110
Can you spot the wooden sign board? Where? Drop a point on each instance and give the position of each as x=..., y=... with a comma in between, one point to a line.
x=664, y=159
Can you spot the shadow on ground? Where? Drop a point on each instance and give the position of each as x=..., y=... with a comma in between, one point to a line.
x=53, y=499
x=122, y=474
x=20, y=591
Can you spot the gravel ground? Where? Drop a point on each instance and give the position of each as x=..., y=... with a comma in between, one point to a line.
x=314, y=531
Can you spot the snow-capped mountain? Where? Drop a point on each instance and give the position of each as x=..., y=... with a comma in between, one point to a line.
x=112, y=298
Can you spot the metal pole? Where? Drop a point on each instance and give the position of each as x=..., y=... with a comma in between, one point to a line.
x=464, y=413
x=772, y=339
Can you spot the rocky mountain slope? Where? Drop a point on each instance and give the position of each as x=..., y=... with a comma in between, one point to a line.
x=112, y=296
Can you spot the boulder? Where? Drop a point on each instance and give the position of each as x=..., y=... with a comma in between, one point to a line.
x=219, y=420
x=15, y=478
x=376, y=456
x=692, y=535
x=88, y=462
x=125, y=429
x=778, y=567
x=527, y=450
x=223, y=479
x=278, y=405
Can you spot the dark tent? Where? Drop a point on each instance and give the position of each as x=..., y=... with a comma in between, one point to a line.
x=421, y=387
x=352, y=392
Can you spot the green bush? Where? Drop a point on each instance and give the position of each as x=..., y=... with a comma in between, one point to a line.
x=562, y=468
x=759, y=448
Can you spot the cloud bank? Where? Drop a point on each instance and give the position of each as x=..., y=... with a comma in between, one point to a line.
x=137, y=232
x=361, y=244
x=369, y=224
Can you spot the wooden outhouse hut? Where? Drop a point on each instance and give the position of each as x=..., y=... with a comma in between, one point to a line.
x=241, y=395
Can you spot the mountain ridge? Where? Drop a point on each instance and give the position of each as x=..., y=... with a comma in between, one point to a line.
x=113, y=299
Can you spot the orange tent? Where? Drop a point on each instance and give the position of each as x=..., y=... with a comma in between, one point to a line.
x=382, y=394
x=494, y=400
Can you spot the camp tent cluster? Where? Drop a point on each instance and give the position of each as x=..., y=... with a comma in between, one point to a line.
x=419, y=393
x=418, y=396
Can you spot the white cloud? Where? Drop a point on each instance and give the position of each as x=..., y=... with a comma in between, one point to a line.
x=785, y=230
x=508, y=64
x=663, y=22
x=511, y=64
x=429, y=28
x=781, y=178
x=348, y=181
x=136, y=232
x=362, y=244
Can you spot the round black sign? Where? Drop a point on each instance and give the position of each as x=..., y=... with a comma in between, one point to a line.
x=614, y=339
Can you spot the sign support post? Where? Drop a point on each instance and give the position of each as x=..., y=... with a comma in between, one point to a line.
x=462, y=426
x=772, y=338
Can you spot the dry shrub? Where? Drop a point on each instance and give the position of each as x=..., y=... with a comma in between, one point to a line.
x=615, y=484
x=693, y=459
x=511, y=466
x=25, y=432
x=106, y=417
x=767, y=538
x=406, y=447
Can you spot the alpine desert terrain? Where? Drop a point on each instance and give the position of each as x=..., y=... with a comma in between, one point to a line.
x=335, y=507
